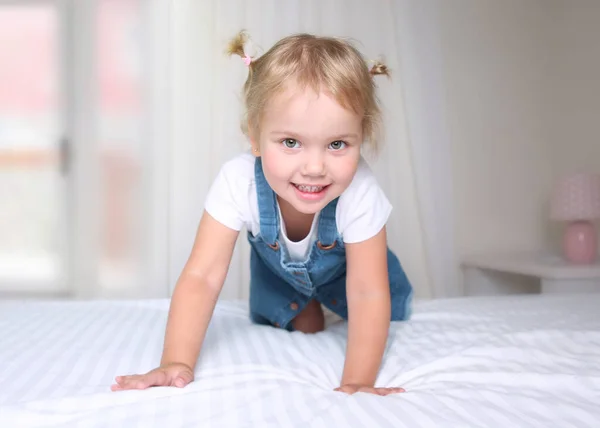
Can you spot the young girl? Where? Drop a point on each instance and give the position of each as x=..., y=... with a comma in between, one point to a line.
x=314, y=212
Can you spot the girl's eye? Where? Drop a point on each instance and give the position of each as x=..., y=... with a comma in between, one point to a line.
x=337, y=145
x=290, y=143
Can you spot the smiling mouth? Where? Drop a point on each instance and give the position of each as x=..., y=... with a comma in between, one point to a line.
x=309, y=189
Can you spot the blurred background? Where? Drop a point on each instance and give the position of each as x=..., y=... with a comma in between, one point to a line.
x=115, y=115
x=77, y=103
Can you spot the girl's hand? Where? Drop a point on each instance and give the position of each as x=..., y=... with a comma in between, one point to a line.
x=174, y=374
x=353, y=388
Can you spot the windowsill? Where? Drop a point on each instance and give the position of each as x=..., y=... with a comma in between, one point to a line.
x=30, y=274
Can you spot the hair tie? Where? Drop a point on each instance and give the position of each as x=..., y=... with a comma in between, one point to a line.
x=247, y=59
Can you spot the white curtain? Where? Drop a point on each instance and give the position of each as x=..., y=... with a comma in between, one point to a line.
x=413, y=167
x=418, y=29
x=117, y=93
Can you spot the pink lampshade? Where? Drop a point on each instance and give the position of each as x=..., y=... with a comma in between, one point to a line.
x=576, y=197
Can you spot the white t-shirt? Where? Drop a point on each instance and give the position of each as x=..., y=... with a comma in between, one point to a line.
x=361, y=212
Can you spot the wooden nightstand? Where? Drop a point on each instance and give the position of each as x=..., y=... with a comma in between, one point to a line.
x=494, y=274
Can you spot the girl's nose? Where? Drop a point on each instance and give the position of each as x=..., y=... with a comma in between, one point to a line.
x=315, y=166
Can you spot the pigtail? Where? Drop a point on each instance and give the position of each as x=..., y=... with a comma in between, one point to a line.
x=236, y=47
x=379, y=68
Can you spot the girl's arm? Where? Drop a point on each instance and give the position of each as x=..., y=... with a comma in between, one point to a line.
x=192, y=306
x=369, y=311
x=197, y=291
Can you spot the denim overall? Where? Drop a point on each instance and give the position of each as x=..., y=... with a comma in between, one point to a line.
x=281, y=287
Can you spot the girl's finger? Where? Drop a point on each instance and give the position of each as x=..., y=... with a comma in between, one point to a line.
x=128, y=378
x=123, y=385
x=155, y=378
x=346, y=389
x=184, y=376
x=120, y=382
x=180, y=382
x=388, y=391
x=135, y=382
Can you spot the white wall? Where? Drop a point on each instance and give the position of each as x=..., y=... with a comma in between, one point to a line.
x=573, y=94
x=502, y=159
x=523, y=101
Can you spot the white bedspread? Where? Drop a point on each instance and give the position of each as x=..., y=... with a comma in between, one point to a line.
x=523, y=361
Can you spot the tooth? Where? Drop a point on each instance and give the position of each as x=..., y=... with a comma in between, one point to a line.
x=310, y=189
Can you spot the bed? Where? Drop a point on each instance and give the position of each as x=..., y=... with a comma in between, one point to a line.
x=511, y=361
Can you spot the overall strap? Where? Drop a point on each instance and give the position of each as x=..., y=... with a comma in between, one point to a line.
x=267, y=205
x=328, y=232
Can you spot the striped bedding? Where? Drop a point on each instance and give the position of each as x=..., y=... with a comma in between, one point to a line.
x=517, y=361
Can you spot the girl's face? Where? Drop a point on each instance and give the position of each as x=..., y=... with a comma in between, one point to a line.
x=310, y=148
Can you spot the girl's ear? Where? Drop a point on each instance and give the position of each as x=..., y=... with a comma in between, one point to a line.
x=253, y=142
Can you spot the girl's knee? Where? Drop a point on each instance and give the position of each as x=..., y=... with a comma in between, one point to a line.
x=311, y=319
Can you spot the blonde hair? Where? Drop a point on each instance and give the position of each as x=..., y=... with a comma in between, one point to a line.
x=321, y=63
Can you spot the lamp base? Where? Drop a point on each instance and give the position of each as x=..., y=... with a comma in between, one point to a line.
x=580, y=244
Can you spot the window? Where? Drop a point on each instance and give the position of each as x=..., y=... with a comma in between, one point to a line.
x=32, y=186
x=82, y=146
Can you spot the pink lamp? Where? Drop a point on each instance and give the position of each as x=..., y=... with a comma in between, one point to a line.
x=576, y=200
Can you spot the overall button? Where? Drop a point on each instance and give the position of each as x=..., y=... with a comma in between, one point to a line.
x=294, y=306
x=334, y=302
